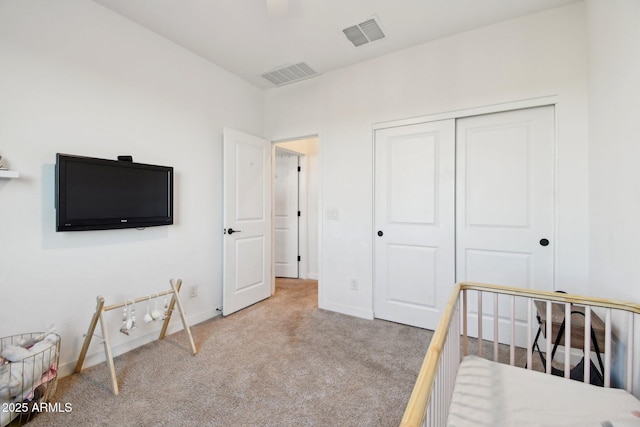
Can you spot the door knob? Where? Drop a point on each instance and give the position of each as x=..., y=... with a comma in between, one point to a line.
x=231, y=231
x=380, y=233
x=544, y=242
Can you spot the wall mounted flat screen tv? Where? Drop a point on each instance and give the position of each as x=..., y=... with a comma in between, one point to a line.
x=101, y=194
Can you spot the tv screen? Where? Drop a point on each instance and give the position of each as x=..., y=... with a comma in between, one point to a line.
x=100, y=194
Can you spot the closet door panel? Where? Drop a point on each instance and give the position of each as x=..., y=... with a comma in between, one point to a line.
x=505, y=202
x=414, y=220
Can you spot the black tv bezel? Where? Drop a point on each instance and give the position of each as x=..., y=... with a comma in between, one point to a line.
x=65, y=224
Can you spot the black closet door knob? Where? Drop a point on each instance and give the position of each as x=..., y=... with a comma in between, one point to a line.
x=380, y=233
x=544, y=242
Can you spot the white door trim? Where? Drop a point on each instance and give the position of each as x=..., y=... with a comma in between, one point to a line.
x=304, y=204
x=303, y=221
x=474, y=111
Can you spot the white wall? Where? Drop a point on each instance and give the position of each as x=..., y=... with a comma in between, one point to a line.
x=614, y=146
x=538, y=55
x=76, y=78
x=614, y=175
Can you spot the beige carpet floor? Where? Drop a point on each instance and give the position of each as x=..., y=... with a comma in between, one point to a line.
x=281, y=362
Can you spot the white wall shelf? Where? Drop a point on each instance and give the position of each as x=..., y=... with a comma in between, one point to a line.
x=9, y=174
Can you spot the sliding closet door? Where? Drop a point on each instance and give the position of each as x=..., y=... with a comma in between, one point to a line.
x=414, y=222
x=505, y=201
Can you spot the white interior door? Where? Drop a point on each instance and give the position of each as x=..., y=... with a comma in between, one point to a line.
x=247, y=220
x=414, y=220
x=505, y=202
x=286, y=215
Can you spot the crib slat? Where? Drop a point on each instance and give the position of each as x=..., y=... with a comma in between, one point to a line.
x=453, y=353
x=464, y=322
x=587, y=344
x=457, y=341
x=512, y=347
x=567, y=340
x=445, y=381
x=433, y=413
x=529, y=332
x=480, y=323
x=630, y=345
x=442, y=409
x=495, y=327
x=607, y=348
x=549, y=339
x=437, y=402
x=449, y=379
x=443, y=401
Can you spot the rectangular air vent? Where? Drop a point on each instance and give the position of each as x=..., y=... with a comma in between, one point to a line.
x=290, y=74
x=364, y=32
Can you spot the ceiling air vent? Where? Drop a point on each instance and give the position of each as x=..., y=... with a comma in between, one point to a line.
x=364, y=32
x=290, y=74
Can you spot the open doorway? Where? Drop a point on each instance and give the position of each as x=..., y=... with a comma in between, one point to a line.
x=303, y=153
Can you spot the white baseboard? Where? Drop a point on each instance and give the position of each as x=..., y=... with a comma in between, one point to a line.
x=345, y=309
x=312, y=276
x=97, y=355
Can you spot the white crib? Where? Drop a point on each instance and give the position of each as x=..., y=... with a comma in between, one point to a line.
x=456, y=389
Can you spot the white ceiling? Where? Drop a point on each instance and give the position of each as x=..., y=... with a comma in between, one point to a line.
x=243, y=38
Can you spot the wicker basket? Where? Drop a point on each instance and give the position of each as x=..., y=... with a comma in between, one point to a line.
x=30, y=381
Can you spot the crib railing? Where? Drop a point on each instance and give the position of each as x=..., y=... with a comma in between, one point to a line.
x=520, y=316
x=428, y=404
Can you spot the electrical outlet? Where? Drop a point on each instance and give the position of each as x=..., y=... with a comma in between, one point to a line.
x=354, y=284
x=193, y=291
x=332, y=214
